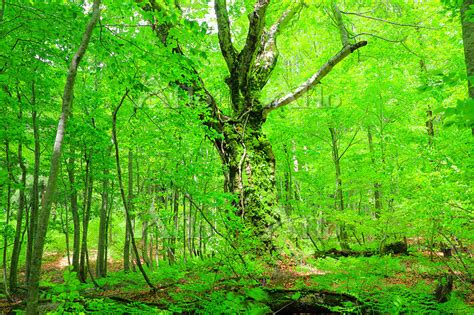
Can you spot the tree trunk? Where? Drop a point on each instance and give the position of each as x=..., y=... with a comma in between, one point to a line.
x=174, y=230
x=122, y=192
x=184, y=228
x=126, y=246
x=85, y=218
x=145, y=227
x=191, y=229
x=65, y=229
x=19, y=217
x=468, y=39
x=7, y=219
x=249, y=169
x=339, y=200
x=108, y=227
x=101, y=261
x=33, y=215
x=75, y=214
x=377, y=185
x=43, y=218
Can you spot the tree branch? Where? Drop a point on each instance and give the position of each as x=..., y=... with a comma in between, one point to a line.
x=268, y=55
x=349, y=145
x=386, y=21
x=315, y=79
x=253, y=41
x=340, y=25
x=225, y=38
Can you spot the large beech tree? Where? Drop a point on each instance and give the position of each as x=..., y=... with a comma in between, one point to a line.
x=246, y=154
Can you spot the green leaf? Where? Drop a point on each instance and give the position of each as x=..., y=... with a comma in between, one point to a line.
x=258, y=294
x=296, y=296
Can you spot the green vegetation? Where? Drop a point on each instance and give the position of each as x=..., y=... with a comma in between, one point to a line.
x=227, y=157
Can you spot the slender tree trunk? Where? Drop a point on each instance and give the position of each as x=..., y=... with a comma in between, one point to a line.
x=101, y=261
x=201, y=250
x=184, y=228
x=33, y=215
x=468, y=39
x=288, y=185
x=19, y=217
x=86, y=217
x=429, y=125
x=75, y=214
x=108, y=227
x=126, y=246
x=122, y=192
x=174, y=230
x=191, y=228
x=377, y=185
x=43, y=218
x=7, y=219
x=339, y=200
x=146, y=226
x=65, y=229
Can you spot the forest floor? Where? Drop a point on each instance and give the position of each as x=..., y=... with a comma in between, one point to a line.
x=377, y=284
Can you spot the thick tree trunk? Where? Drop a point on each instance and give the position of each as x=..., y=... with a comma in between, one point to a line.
x=75, y=215
x=43, y=218
x=249, y=169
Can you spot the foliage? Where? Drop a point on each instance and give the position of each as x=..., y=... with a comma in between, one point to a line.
x=395, y=113
x=67, y=295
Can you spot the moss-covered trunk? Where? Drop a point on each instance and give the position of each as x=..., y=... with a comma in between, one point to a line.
x=249, y=169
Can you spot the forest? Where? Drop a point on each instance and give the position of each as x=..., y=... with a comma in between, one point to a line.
x=236, y=157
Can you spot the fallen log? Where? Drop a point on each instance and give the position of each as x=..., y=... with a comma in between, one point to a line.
x=311, y=301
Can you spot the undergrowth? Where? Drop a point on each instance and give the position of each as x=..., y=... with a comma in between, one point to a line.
x=387, y=285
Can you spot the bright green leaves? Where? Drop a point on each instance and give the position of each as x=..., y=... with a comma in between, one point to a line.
x=258, y=294
x=462, y=115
